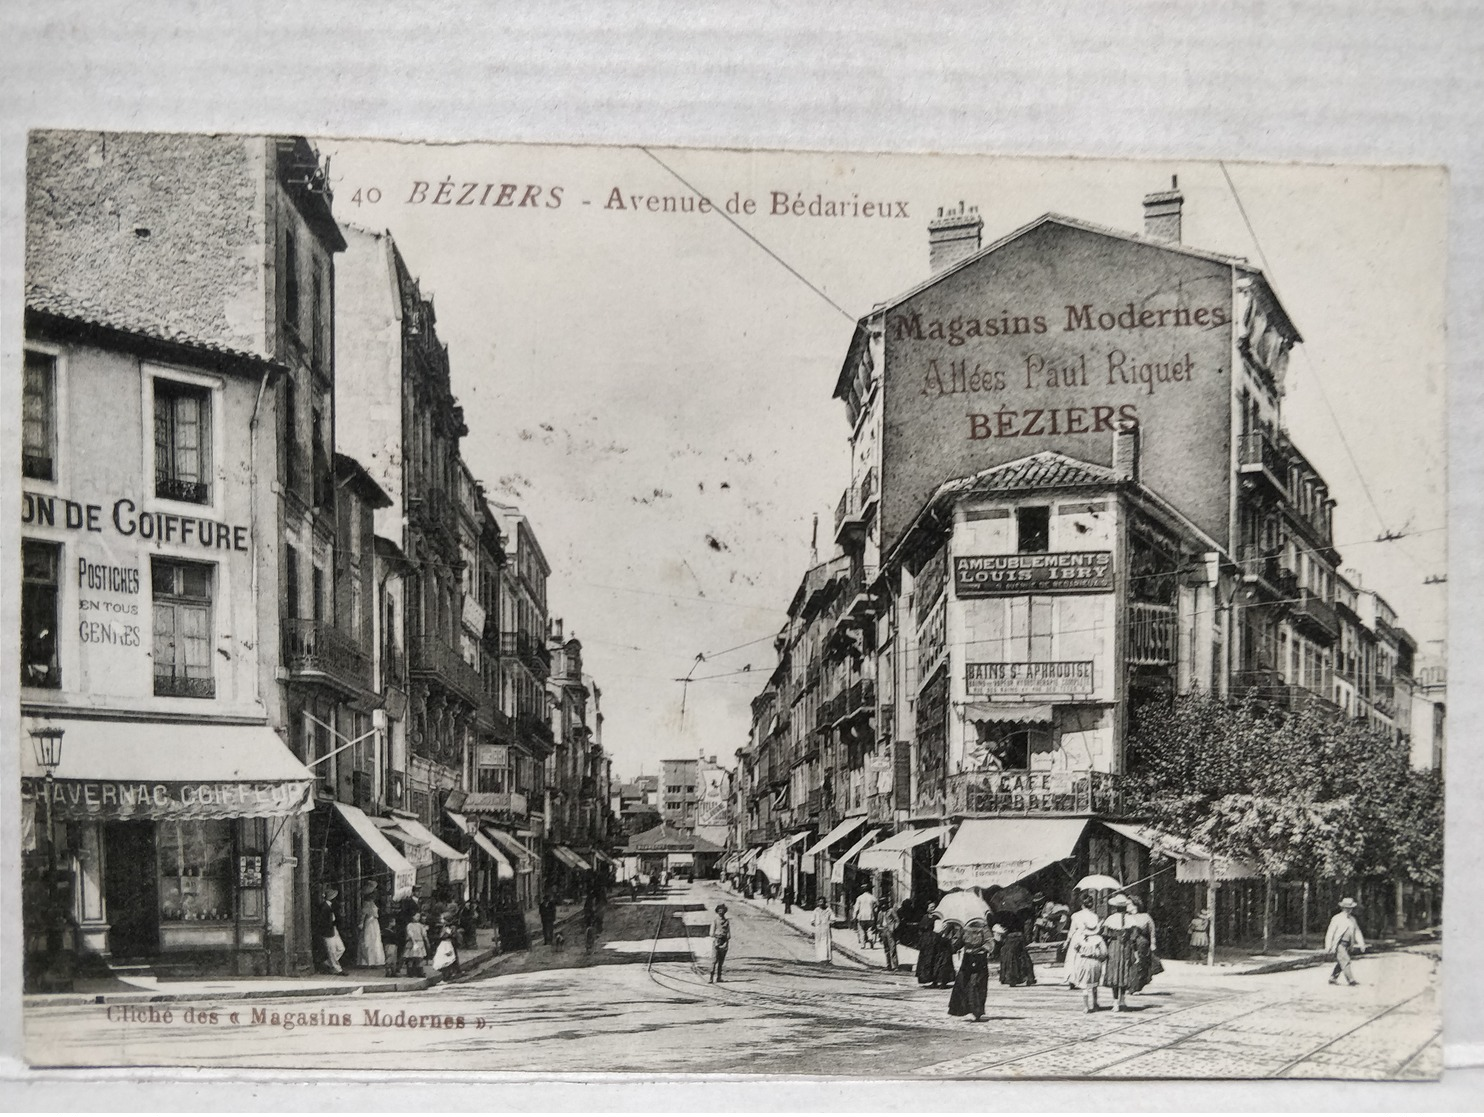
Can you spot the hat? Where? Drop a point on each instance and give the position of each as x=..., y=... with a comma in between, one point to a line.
x=721, y=909
x=1347, y=902
x=331, y=893
x=370, y=886
x=1118, y=900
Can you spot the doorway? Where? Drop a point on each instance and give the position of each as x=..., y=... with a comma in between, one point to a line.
x=131, y=889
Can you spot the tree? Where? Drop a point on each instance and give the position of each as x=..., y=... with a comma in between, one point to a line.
x=1295, y=793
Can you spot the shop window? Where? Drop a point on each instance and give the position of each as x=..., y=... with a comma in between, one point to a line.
x=1033, y=529
x=40, y=563
x=39, y=417
x=183, y=629
x=182, y=442
x=196, y=862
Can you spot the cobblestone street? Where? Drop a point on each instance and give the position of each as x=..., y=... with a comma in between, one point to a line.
x=641, y=1003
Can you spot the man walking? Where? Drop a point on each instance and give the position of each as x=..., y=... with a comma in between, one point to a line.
x=547, y=910
x=721, y=938
x=1342, y=940
x=886, y=927
x=865, y=916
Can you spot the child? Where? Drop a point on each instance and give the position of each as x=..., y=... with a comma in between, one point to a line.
x=415, y=950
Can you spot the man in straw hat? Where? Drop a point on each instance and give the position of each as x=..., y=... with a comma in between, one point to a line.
x=721, y=939
x=1342, y=940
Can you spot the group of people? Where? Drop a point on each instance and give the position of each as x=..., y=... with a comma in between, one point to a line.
x=1002, y=937
x=394, y=937
x=1116, y=952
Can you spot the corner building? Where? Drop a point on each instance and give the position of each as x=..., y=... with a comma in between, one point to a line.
x=1071, y=491
x=177, y=294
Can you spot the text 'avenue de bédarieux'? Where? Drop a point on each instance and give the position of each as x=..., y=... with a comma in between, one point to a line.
x=298, y=717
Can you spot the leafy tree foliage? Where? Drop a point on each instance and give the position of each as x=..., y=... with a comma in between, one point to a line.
x=1302, y=793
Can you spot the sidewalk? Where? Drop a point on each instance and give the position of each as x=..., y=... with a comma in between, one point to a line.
x=843, y=940
x=131, y=989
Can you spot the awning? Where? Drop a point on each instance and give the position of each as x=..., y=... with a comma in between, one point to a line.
x=847, y=827
x=673, y=859
x=999, y=713
x=567, y=857
x=461, y=821
x=599, y=855
x=750, y=857
x=524, y=858
x=988, y=851
x=837, y=871
x=888, y=853
x=794, y=839
x=403, y=874
x=120, y=770
x=1192, y=861
x=424, y=836
x=503, y=869
x=730, y=863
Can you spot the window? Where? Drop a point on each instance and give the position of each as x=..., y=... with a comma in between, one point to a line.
x=289, y=434
x=182, y=442
x=1033, y=529
x=495, y=780
x=183, y=629
x=196, y=860
x=290, y=599
x=40, y=563
x=316, y=322
x=1040, y=634
x=39, y=417
x=291, y=281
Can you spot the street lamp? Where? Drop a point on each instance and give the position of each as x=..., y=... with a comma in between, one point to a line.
x=47, y=742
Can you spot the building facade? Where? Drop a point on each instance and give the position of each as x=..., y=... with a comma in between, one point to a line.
x=1066, y=499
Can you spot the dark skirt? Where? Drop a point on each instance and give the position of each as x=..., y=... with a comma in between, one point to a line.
x=1015, y=961
x=1128, y=952
x=927, y=958
x=972, y=985
x=943, y=974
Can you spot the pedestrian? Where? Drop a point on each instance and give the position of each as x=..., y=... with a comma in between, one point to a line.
x=446, y=956
x=865, y=916
x=323, y=923
x=1200, y=930
x=886, y=926
x=1149, y=964
x=1015, y=959
x=1123, y=936
x=546, y=909
x=971, y=986
x=392, y=933
x=1086, y=954
x=415, y=945
x=1052, y=922
x=721, y=938
x=371, y=953
x=1343, y=939
x=788, y=898
x=1084, y=922
x=823, y=947
x=468, y=926
x=634, y=889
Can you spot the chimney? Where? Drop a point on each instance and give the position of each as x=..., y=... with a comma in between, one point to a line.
x=953, y=235
x=556, y=629
x=1162, y=213
x=1126, y=455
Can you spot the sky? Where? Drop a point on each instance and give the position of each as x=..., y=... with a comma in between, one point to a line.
x=654, y=388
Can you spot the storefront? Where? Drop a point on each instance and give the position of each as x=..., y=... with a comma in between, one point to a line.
x=175, y=842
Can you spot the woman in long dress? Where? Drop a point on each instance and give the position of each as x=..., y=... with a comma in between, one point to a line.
x=822, y=942
x=927, y=946
x=1121, y=972
x=944, y=948
x=1084, y=922
x=371, y=952
x=971, y=987
x=1085, y=956
x=1149, y=965
x=1015, y=959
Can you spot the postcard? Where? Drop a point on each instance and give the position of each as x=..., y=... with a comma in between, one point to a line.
x=558, y=609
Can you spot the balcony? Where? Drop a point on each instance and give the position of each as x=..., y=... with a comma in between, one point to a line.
x=1260, y=459
x=1151, y=634
x=493, y=721
x=510, y=804
x=533, y=653
x=1311, y=612
x=857, y=702
x=1270, y=688
x=534, y=728
x=433, y=513
x=1034, y=793
x=430, y=658
x=1259, y=565
x=316, y=651
x=1383, y=697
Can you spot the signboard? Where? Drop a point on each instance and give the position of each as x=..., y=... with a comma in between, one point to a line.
x=1058, y=339
x=995, y=680
x=168, y=800
x=1054, y=572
